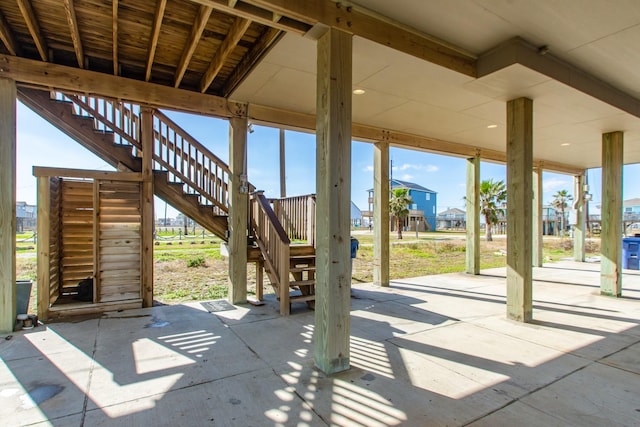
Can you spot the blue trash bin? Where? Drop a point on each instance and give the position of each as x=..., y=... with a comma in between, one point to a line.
x=630, y=252
x=354, y=249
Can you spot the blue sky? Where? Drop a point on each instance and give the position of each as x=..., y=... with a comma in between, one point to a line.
x=43, y=145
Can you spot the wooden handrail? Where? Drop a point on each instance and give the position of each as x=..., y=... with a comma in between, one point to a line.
x=274, y=245
x=297, y=216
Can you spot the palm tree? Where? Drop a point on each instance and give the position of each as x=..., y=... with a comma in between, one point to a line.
x=560, y=200
x=399, y=206
x=492, y=197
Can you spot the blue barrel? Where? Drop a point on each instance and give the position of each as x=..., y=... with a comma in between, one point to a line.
x=630, y=252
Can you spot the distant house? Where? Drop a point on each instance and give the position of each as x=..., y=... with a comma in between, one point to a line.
x=356, y=216
x=452, y=218
x=25, y=216
x=422, y=213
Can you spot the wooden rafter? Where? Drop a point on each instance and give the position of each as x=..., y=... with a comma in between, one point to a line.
x=255, y=14
x=34, y=28
x=196, y=32
x=237, y=30
x=70, y=11
x=155, y=34
x=372, y=26
x=114, y=35
x=266, y=41
x=6, y=35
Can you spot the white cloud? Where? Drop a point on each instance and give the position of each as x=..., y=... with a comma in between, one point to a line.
x=408, y=166
x=406, y=177
x=556, y=184
x=369, y=168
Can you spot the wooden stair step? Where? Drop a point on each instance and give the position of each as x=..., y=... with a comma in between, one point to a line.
x=299, y=283
x=302, y=298
x=301, y=269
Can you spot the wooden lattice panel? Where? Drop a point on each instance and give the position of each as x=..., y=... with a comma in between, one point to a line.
x=55, y=284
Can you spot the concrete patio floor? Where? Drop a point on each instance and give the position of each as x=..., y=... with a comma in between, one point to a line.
x=428, y=351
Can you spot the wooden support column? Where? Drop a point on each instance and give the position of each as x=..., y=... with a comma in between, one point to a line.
x=538, y=257
x=473, y=215
x=579, y=228
x=381, y=213
x=519, y=205
x=333, y=188
x=283, y=169
x=238, y=210
x=7, y=205
x=148, y=219
x=44, y=246
x=611, y=235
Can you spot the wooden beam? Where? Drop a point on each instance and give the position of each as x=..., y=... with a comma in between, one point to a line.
x=146, y=265
x=238, y=211
x=7, y=205
x=114, y=35
x=381, y=267
x=256, y=14
x=473, y=215
x=611, y=234
x=519, y=191
x=537, y=229
x=155, y=34
x=333, y=202
x=43, y=246
x=197, y=28
x=34, y=28
x=283, y=172
x=237, y=30
x=70, y=11
x=37, y=73
x=7, y=37
x=39, y=171
x=372, y=26
x=267, y=40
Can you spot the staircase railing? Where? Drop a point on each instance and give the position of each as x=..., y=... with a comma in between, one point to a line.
x=274, y=245
x=298, y=216
x=183, y=158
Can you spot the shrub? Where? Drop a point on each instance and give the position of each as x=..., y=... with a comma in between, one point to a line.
x=196, y=262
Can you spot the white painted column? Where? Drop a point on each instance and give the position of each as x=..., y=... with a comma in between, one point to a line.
x=519, y=205
x=473, y=215
x=381, y=213
x=333, y=188
x=579, y=227
x=538, y=257
x=611, y=234
x=7, y=205
x=238, y=210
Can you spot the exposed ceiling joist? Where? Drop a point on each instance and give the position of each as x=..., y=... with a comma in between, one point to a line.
x=256, y=14
x=114, y=35
x=237, y=30
x=251, y=59
x=155, y=34
x=192, y=42
x=34, y=28
x=36, y=73
x=371, y=26
x=6, y=35
x=70, y=11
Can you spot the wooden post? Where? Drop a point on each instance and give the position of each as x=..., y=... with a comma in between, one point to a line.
x=611, y=234
x=43, y=247
x=579, y=228
x=148, y=225
x=473, y=215
x=381, y=213
x=333, y=185
x=519, y=195
x=538, y=257
x=238, y=210
x=283, y=174
x=7, y=205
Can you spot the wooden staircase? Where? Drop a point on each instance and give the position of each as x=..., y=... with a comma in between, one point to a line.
x=189, y=177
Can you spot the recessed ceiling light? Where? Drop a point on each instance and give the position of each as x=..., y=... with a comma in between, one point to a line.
x=358, y=91
x=565, y=144
x=492, y=126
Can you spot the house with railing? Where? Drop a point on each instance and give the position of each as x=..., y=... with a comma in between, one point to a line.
x=452, y=218
x=422, y=212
